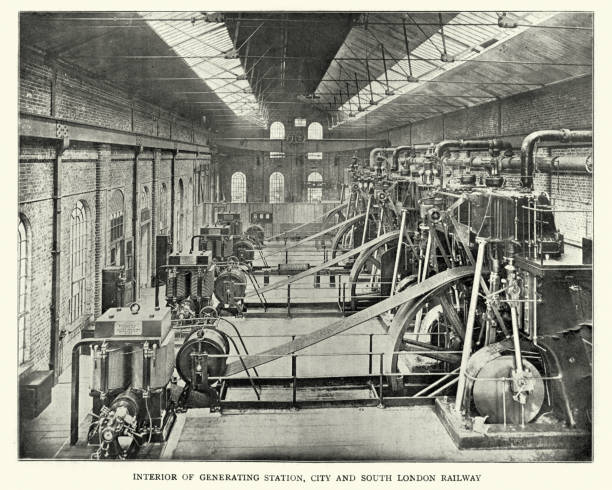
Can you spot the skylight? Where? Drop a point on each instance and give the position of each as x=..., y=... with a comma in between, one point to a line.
x=480, y=38
x=207, y=49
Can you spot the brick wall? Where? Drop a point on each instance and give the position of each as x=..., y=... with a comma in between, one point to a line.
x=258, y=167
x=64, y=92
x=564, y=105
x=61, y=90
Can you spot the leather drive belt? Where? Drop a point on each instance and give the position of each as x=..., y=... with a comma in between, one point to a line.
x=337, y=208
x=325, y=265
x=344, y=324
x=316, y=235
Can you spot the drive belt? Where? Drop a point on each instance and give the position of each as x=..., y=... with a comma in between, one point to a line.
x=325, y=265
x=316, y=235
x=344, y=324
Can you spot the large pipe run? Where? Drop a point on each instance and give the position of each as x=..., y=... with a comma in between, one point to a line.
x=564, y=163
x=479, y=145
x=529, y=143
x=374, y=152
x=410, y=148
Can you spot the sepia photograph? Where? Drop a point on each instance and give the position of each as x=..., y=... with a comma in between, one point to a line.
x=305, y=236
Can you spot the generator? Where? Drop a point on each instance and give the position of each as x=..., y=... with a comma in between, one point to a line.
x=130, y=382
x=217, y=240
x=189, y=283
x=232, y=220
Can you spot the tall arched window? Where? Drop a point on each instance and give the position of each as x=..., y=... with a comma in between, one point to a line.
x=79, y=248
x=116, y=210
x=181, y=216
x=315, y=187
x=277, y=131
x=238, y=187
x=23, y=289
x=277, y=188
x=315, y=131
x=145, y=198
x=163, y=208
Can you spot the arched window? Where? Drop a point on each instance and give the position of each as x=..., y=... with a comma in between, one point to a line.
x=277, y=188
x=163, y=208
x=181, y=216
x=315, y=187
x=277, y=131
x=23, y=289
x=79, y=248
x=145, y=198
x=238, y=187
x=116, y=210
x=315, y=131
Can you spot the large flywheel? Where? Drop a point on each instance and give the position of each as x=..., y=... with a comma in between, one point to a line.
x=347, y=238
x=433, y=325
x=334, y=218
x=370, y=274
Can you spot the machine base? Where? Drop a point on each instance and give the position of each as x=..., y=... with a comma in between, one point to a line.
x=512, y=436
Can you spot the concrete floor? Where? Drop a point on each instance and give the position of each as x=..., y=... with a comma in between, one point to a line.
x=367, y=433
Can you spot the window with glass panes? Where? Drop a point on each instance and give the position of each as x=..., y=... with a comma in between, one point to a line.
x=315, y=131
x=116, y=208
x=277, y=131
x=277, y=188
x=78, y=260
x=23, y=288
x=238, y=187
x=315, y=187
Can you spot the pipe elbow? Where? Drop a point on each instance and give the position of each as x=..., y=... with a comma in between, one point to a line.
x=441, y=147
x=396, y=153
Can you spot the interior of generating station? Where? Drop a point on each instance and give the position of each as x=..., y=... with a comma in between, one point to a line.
x=305, y=236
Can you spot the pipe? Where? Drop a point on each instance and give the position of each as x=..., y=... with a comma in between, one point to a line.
x=135, y=222
x=445, y=145
x=565, y=163
x=56, y=235
x=396, y=153
x=374, y=151
x=172, y=194
x=530, y=141
x=154, y=218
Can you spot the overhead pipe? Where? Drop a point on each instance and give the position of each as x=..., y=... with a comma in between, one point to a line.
x=494, y=146
x=565, y=163
x=411, y=148
x=373, y=154
x=55, y=334
x=529, y=144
